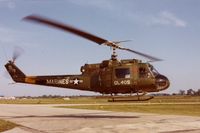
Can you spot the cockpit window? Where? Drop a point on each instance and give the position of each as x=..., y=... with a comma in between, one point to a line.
x=122, y=73
x=146, y=72
x=153, y=70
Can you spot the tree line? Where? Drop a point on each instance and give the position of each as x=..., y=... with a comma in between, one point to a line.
x=189, y=92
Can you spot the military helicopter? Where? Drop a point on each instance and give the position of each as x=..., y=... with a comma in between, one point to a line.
x=112, y=76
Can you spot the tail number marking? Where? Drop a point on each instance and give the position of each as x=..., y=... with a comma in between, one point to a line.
x=122, y=82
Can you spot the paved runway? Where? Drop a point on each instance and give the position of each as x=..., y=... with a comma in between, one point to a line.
x=46, y=119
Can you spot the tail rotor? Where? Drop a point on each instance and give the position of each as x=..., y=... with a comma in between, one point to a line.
x=18, y=51
x=16, y=74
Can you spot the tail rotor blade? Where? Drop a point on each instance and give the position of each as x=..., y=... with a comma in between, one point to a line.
x=17, y=53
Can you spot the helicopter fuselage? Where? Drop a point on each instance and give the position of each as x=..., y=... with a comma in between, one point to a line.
x=108, y=77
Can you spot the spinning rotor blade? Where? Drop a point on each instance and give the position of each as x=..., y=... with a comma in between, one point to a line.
x=86, y=35
x=142, y=54
x=17, y=53
x=117, y=42
x=61, y=26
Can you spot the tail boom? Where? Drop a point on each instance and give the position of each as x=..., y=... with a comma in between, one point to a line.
x=64, y=81
x=79, y=82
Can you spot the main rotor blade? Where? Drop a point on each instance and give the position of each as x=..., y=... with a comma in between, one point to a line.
x=81, y=33
x=64, y=27
x=142, y=54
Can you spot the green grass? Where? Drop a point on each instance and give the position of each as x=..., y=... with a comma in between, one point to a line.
x=6, y=125
x=99, y=100
x=33, y=101
x=170, y=109
x=80, y=100
x=178, y=105
x=175, y=99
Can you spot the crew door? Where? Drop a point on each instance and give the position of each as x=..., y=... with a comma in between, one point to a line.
x=106, y=78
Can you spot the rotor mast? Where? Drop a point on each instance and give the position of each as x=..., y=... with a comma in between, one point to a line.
x=114, y=54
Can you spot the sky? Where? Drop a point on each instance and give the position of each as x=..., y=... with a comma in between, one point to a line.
x=168, y=29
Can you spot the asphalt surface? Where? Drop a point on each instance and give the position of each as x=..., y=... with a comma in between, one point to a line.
x=47, y=119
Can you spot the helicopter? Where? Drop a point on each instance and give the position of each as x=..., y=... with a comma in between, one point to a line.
x=112, y=76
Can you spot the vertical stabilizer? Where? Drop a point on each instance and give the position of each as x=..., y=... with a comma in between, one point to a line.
x=16, y=74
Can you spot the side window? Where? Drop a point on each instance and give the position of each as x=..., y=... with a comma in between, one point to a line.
x=122, y=73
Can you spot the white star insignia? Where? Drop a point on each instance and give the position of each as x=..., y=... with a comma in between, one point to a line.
x=76, y=81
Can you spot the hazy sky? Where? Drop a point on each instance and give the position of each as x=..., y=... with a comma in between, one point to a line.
x=168, y=29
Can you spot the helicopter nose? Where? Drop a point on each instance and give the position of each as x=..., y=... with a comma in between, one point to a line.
x=162, y=82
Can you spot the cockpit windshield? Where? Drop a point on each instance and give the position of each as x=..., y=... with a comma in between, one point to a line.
x=153, y=70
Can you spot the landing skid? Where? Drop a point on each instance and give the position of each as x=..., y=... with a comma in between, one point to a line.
x=130, y=98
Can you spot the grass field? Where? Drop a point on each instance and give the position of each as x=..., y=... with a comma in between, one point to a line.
x=100, y=100
x=172, y=105
x=170, y=109
x=177, y=105
x=6, y=125
x=80, y=100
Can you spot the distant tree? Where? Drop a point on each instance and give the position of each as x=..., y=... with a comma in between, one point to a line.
x=197, y=93
x=190, y=92
x=181, y=92
x=44, y=96
x=174, y=94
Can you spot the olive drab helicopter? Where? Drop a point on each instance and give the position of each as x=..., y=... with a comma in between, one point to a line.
x=112, y=76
